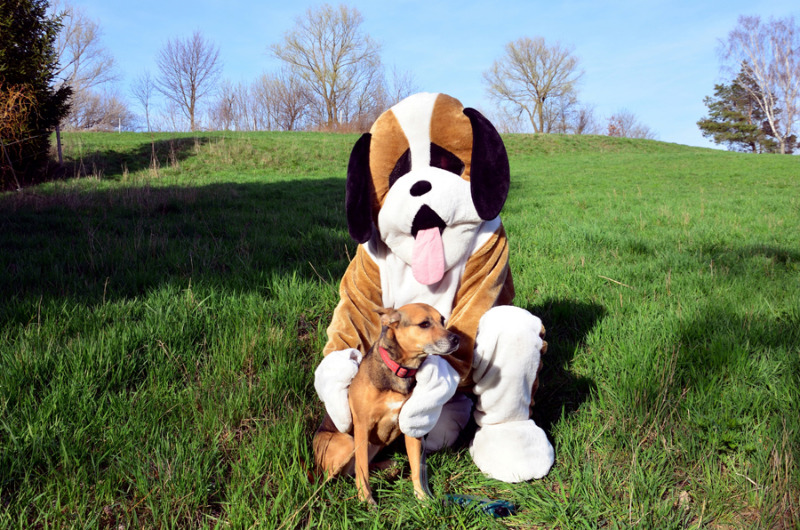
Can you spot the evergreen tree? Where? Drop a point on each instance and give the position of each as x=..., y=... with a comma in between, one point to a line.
x=27, y=65
x=735, y=118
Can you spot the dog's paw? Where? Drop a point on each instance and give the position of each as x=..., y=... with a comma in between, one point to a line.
x=512, y=452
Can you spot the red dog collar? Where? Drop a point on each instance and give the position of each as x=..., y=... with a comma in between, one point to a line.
x=399, y=371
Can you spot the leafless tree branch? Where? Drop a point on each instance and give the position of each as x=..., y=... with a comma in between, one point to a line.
x=533, y=79
x=189, y=70
x=337, y=62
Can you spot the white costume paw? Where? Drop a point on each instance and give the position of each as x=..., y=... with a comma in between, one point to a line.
x=436, y=383
x=332, y=379
x=512, y=452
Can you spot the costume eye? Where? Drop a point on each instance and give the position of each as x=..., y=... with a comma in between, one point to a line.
x=402, y=167
x=444, y=159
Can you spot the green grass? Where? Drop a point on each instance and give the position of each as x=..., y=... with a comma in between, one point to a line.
x=161, y=316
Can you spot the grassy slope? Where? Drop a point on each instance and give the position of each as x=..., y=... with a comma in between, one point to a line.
x=160, y=323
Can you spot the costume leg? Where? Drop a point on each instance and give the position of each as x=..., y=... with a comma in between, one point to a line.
x=454, y=417
x=508, y=445
x=334, y=451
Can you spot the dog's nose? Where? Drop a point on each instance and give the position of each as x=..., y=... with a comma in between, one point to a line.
x=420, y=188
x=454, y=340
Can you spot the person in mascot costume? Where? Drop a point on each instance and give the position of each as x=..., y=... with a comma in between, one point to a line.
x=424, y=192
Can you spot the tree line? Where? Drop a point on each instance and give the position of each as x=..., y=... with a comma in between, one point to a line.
x=56, y=72
x=331, y=78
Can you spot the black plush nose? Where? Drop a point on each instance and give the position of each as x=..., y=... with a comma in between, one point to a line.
x=420, y=188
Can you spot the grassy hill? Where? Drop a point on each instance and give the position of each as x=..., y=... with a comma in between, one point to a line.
x=162, y=314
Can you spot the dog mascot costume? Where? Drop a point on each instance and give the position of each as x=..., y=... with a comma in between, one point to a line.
x=424, y=191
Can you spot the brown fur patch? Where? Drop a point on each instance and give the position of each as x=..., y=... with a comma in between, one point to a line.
x=388, y=144
x=486, y=283
x=451, y=129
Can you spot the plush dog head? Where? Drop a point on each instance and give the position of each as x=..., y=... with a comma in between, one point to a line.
x=427, y=175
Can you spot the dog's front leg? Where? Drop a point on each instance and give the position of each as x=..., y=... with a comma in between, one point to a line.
x=414, y=450
x=361, y=438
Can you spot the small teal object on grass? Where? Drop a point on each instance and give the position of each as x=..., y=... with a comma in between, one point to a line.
x=495, y=508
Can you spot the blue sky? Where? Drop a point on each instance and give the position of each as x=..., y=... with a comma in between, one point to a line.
x=657, y=59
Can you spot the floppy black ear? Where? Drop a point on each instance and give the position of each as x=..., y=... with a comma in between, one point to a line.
x=489, y=173
x=358, y=200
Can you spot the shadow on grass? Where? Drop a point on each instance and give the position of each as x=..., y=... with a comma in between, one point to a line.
x=113, y=162
x=97, y=246
x=102, y=245
x=561, y=392
x=721, y=339
x=744, y=370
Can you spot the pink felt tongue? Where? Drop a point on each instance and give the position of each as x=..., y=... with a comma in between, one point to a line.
x=427, y=261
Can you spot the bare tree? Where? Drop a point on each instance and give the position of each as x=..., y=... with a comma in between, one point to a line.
x=334, y=58
x=367, y=101
x=400, y=85
x=769, y=52
x=142, y=90
x=171, y=117
x=83, y=61
x=248, y=114
x=224, y=110
x=86, y=66
x=586, y=121
x=286, y=99
x=378, y=94
x=236, y=107
x=506, y=122
x=624, y=124
x=189, y=70
x=560, y=113
x=532, y=75
x=99, y=110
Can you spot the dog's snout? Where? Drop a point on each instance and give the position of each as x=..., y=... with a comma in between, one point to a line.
x=454, y=340
x=420, y=188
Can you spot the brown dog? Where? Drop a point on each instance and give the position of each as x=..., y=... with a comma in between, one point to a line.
x=383, y=383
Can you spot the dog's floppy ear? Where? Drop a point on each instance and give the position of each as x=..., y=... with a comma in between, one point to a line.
x=489, y=173
x=389, y=317
x=358, y=197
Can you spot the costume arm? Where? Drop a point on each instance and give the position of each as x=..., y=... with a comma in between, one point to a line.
x=355, y=325
x=486, y=283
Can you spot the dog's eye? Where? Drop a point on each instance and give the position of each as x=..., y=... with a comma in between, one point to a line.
x=425, y=324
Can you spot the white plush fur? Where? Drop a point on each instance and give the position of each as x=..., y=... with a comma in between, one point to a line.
x=507, y=353
x=512, y=452
x=332, y=379
x=414, y=116
x=508, y=446
x=436, y=383
x=450, y=198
